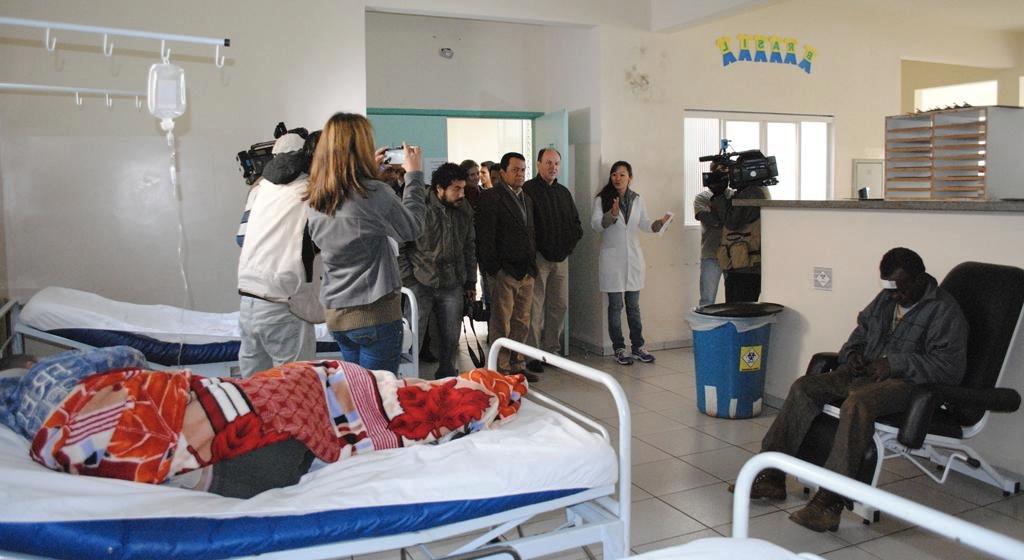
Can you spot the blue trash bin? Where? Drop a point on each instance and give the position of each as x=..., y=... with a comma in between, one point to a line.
x=730, y=346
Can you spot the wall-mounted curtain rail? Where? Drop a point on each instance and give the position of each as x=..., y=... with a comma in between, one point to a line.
x=107, y=32
x=107, y=94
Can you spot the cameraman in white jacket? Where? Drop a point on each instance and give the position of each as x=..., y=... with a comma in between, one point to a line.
x=276, y=276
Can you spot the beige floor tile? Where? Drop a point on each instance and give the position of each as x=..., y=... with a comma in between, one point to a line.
x=646, y=372
x=654, y=520
x=643, y=452
x=853, y=530
x=849, y=553
x=675, y=382
x=1013, y=507
x=995, y=521
x=917, y=544
x=723, y=463
x=902, y=467
x=778, y=529
x=689, y=415
x=736, y=432
x=668, y=476
x=644, y=423
x=928, y=496
x=712, y=505
x=661, y=399
x=675, y=541
x=639, y=494
x=965, y=488
x=677, y=359
x=684, y=441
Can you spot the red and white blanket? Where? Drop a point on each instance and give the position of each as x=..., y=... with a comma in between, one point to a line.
x=148, y=426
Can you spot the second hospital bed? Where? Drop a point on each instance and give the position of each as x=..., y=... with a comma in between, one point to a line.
x=170, y=337
x=549, y=458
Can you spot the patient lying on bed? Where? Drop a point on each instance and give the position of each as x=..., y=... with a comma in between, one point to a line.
x=244, y=436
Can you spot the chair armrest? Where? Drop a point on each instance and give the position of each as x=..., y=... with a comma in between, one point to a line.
x=926, y=398
x=997, y=399
x=918, y=417
x=822, y=362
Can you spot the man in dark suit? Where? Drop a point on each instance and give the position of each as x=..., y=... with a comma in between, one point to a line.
x=507, y=252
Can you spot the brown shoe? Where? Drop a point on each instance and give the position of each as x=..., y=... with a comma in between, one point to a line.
x=769, y=483
x=821, y=513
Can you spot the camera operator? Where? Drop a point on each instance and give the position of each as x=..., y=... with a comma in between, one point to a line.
x=440, y=266
x=276, y=267
x=709, y=209
x=739, y=253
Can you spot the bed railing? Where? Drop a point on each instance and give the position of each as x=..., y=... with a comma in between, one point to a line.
x=946, y=525
x=622, y=508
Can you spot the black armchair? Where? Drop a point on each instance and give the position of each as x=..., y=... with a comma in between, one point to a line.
x=941, y=418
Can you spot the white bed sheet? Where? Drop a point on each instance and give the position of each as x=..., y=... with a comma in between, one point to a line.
x=56, y=308
x=540, y=450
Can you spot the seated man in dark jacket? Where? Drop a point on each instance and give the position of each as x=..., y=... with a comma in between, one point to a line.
x=912, y=332
x=440, y=266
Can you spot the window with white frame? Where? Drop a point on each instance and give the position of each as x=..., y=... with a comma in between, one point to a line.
x=801, y=144
x=974, y=93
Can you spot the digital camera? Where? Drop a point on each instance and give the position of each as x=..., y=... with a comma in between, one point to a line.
x=476, y=310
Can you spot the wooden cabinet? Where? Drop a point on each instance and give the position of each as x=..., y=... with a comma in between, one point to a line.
x=973, y=153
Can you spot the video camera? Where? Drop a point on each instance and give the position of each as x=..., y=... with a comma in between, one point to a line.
x=742, y=169
x=251, y=161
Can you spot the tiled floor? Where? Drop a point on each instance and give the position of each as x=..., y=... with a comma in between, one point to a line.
x=683, y=460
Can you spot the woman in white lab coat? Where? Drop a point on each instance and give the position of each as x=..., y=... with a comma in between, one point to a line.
x=619, y=216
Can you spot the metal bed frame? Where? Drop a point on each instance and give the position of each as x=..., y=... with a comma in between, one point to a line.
x=954, y=528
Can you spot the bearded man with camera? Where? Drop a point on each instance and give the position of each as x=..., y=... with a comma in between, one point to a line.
x=440, y=266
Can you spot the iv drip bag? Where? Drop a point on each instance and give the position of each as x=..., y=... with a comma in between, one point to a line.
x=166, y=93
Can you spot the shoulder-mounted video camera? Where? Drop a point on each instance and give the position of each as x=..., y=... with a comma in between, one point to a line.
x=739, y=169
x=251, y=161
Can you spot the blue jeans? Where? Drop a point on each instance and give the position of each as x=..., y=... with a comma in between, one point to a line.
x=447, y=305
x=710, y=275
x=373, y=347
x=636, y=337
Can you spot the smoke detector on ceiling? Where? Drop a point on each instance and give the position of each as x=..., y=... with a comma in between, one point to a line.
x=446, y=53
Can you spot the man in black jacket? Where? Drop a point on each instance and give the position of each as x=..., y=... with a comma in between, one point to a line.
x=506, y=251
x=558, y=230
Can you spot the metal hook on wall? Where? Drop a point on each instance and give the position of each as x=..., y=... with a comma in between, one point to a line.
x=110, y=102
x=50, y=45
x=138, y=102
x=78, y=99
x=165, y=53
x=218, y=60
x=107, y=51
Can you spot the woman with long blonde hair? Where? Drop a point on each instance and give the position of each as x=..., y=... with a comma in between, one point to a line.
x=351, y=216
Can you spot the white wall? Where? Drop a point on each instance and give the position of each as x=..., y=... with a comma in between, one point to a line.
x=492, y=68
x=856, y=78
x=796, y=240
x=87, y=201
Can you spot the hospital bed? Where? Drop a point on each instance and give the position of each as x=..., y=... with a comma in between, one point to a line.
x=740, y=545
x=170, y=337
x=549, y=458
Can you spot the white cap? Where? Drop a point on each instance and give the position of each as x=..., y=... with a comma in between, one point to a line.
x=290, y=142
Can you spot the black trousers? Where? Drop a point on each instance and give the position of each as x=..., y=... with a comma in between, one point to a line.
x=742, y=286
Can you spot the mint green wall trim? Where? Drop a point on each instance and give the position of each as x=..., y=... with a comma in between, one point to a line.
x=457, y=113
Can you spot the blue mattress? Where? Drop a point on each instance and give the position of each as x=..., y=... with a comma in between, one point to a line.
x=166, y=353
x=208, y=538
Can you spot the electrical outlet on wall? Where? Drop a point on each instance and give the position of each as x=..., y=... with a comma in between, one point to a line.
x=822, y=278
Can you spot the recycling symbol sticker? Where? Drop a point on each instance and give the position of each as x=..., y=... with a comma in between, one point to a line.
x=750, y=358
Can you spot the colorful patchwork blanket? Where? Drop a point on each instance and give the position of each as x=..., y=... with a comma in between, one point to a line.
x=148, y=426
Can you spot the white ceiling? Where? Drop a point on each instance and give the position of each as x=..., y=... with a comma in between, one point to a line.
x=994, y=15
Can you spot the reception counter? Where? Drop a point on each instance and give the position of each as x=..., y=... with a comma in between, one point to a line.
x=849, y=237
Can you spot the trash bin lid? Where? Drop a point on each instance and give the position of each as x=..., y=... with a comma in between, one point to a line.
x=740, y=309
